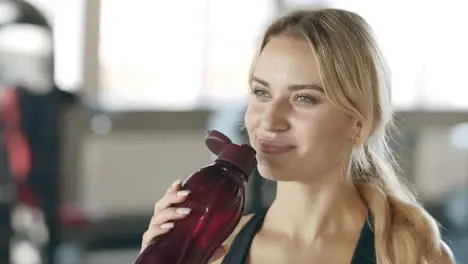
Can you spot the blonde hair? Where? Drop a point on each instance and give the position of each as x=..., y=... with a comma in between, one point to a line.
x=354, y=77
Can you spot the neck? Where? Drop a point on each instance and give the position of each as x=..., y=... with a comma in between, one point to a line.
x=324, y=208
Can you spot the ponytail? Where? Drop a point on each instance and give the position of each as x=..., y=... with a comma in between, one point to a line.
x=404, y=232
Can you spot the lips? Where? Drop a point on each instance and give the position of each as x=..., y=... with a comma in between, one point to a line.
x=274, y=147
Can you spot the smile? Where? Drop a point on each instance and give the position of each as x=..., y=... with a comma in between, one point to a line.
x=272, y=147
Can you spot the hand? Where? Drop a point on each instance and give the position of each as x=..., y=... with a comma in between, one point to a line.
x=165, y=215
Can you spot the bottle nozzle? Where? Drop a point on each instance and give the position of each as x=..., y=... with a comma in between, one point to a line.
x=241, y=156
x=216, y=141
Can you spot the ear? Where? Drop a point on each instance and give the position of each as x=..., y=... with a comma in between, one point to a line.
x=356, y=129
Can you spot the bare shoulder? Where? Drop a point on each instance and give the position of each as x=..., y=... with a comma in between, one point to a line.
x=241, y=224
x=230, y=239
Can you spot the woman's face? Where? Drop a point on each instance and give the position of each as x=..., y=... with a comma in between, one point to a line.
x=297, y=133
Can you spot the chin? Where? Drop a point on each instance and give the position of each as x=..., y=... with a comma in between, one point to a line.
x=275, y=174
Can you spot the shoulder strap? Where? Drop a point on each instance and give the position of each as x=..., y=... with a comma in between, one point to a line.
x=244, y=220
x=240, y=246
x=365, y=249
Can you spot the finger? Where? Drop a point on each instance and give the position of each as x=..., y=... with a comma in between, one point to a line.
x=219, y=253
x=170, y=199
x=154, y=232
x=169, y=215
x=175, y=186
x=173, y=196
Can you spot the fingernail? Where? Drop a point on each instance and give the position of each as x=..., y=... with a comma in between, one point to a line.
x=167, y=225
x=183, y=211
x=177, y=182
x=183, y=193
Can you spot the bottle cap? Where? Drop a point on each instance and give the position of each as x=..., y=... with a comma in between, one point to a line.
x=241, y=156
x=216, y=141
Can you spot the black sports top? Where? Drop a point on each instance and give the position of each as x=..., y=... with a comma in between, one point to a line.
x=238, y=252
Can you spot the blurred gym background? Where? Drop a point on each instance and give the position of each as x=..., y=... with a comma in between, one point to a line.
x=104, y=103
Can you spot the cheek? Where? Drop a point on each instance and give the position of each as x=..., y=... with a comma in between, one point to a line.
x=250, y=119
x=324, y=131
x=252, y=116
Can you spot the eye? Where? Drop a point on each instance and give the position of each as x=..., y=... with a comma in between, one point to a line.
x=259, y=92
x=306, y=99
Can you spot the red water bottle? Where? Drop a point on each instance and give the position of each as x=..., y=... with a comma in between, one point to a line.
x=217, y=195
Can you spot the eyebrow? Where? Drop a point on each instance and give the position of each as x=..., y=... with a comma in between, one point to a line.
x=293, y=87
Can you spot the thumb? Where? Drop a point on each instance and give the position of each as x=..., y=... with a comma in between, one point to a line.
x=219, y=253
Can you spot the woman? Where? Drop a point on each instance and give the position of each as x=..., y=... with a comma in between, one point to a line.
x=318, y=115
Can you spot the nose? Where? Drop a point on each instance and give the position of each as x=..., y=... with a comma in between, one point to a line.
x=275, y=117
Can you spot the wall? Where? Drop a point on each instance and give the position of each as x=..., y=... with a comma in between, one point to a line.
x=126, y=170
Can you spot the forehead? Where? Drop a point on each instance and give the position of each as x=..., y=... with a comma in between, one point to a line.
x=285, y=61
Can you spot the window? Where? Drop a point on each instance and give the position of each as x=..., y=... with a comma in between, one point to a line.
x=155, y=54
x=68, y=43
x=151, y=52
x=234, y=32
x=177, y=54
x=426, y=50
